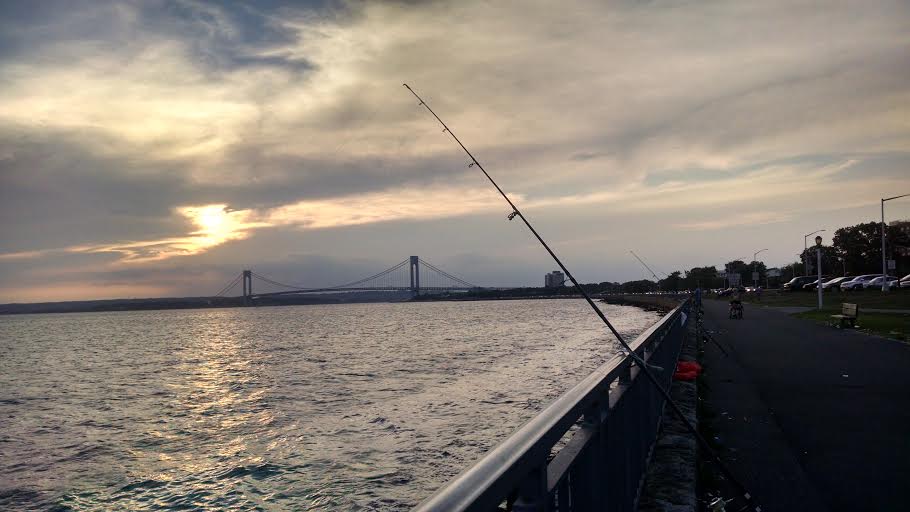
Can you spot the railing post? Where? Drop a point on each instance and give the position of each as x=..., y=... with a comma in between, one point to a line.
x=590, y=492
x=532, y=494
x=625, y=375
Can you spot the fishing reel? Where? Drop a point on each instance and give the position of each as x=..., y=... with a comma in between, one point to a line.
x=718, y=505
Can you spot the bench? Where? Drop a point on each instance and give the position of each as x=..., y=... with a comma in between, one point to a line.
x=848, y=314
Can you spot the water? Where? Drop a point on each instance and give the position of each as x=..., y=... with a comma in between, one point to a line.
x=344, y=407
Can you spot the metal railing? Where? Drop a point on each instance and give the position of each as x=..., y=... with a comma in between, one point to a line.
x=602, y=465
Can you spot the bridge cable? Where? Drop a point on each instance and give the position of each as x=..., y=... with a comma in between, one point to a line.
x=276, y=283
x=329, y=288
x=230, y=285
x=375, y=276
x=448, y=275
x=643, y=366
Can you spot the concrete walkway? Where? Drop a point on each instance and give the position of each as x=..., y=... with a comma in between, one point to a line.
x=810, y=417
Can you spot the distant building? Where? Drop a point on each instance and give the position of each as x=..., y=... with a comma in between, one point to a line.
x=554, y=279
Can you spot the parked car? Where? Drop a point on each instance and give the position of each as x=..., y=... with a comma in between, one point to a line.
x=814, y=284
x=871, y=284
x=857, y=282
x=834, y=284
x=797, y=283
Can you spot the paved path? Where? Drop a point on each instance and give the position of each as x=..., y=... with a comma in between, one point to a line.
x=801, y=309
x=811, y=417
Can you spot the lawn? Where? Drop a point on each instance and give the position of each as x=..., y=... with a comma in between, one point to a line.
x=891, y=325
x=895, y=299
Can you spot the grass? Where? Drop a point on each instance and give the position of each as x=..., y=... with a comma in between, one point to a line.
x=891, y=325
x=895, y=299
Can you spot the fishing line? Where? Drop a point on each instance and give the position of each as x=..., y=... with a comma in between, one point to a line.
x=643, y=366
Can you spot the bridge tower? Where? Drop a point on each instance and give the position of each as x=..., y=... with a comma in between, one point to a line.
x=415, y=275
x=247, y=287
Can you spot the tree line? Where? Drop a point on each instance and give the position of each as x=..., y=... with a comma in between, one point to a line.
x=854, y=250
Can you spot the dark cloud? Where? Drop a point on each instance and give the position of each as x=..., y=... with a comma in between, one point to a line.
x=116, y=113
x=56, y=192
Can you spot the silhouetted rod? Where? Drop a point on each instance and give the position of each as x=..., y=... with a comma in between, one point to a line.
x=638, y=360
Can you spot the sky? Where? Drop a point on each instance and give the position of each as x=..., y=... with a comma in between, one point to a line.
x=157, y=148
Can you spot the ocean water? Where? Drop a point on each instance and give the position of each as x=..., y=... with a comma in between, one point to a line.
x=333, y=407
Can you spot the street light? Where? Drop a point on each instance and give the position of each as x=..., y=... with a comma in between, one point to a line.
x=805, y=248
x=885, y=258
x=754, y=273
x=818, y=250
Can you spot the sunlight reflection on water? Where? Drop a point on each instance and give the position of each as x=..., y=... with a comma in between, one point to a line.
x=360, y=406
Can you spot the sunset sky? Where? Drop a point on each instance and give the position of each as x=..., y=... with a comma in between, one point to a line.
x=156, y=148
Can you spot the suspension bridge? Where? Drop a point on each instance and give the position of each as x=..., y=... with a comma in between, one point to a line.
x=415, y=275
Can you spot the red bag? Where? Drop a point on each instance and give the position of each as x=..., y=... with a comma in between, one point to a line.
x=685, y=376
x=688, y=366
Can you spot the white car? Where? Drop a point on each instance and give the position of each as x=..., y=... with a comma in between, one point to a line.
x=871, y=284
x=834, y=284
x=858, y=282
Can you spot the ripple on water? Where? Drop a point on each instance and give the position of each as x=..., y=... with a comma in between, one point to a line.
x=359, y=406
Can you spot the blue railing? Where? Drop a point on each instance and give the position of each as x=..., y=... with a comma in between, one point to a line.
x=601, y=463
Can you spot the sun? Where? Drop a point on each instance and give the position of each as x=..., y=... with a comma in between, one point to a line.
x=212, y=220
x=215, y=224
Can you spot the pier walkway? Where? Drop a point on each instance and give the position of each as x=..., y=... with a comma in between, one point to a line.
x=809, y=417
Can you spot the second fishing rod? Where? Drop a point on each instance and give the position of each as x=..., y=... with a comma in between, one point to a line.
x=642, y=364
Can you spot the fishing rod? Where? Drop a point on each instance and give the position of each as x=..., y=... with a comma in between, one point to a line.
x=643, y=366
x=657, y=279
x=646, y=265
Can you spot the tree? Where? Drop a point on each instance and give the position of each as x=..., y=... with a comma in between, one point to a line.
x=672, y=282
x=788, y=272
x=640, y=286
x=860, y=246
x=706, y=277
x=756, y=266
x=898, y=246
x=831, y=260
x=738, y=267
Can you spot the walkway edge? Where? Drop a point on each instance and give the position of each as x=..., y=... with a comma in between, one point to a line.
x=670, y=482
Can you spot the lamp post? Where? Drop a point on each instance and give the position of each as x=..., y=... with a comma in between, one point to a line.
x=884, y=257
x=818, y=249
x=754, y=272
x=805, y=248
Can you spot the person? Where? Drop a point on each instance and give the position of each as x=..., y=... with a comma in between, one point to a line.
x=736, y=303
x=698, y=297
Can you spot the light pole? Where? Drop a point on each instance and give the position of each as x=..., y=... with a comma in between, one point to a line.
x=754, y=272
x=884, y=257
x=818, y=249
x=805, y=248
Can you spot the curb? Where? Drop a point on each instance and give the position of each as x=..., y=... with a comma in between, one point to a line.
x=670, y=481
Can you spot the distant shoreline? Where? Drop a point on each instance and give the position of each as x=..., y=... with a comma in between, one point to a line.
x=657, y=302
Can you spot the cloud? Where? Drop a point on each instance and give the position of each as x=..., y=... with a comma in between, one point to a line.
x=214, y=226
x=735, y=220
x=291, y=117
